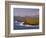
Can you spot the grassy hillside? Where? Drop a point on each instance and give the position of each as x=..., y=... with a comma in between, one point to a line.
x=31, y=21
x=27, y=20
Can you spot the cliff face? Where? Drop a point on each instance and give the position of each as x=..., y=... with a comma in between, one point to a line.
x=31, y=21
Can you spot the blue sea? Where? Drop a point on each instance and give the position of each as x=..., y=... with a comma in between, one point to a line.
x=20, y=26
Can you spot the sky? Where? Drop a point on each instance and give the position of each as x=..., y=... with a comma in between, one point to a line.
x=25, y=12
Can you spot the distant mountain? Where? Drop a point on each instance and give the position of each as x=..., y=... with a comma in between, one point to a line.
x=33, y=16
x=19, y=18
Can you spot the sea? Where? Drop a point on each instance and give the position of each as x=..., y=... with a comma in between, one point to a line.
x=21, y=26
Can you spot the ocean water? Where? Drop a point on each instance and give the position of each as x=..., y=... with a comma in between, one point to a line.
x=20, y=26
